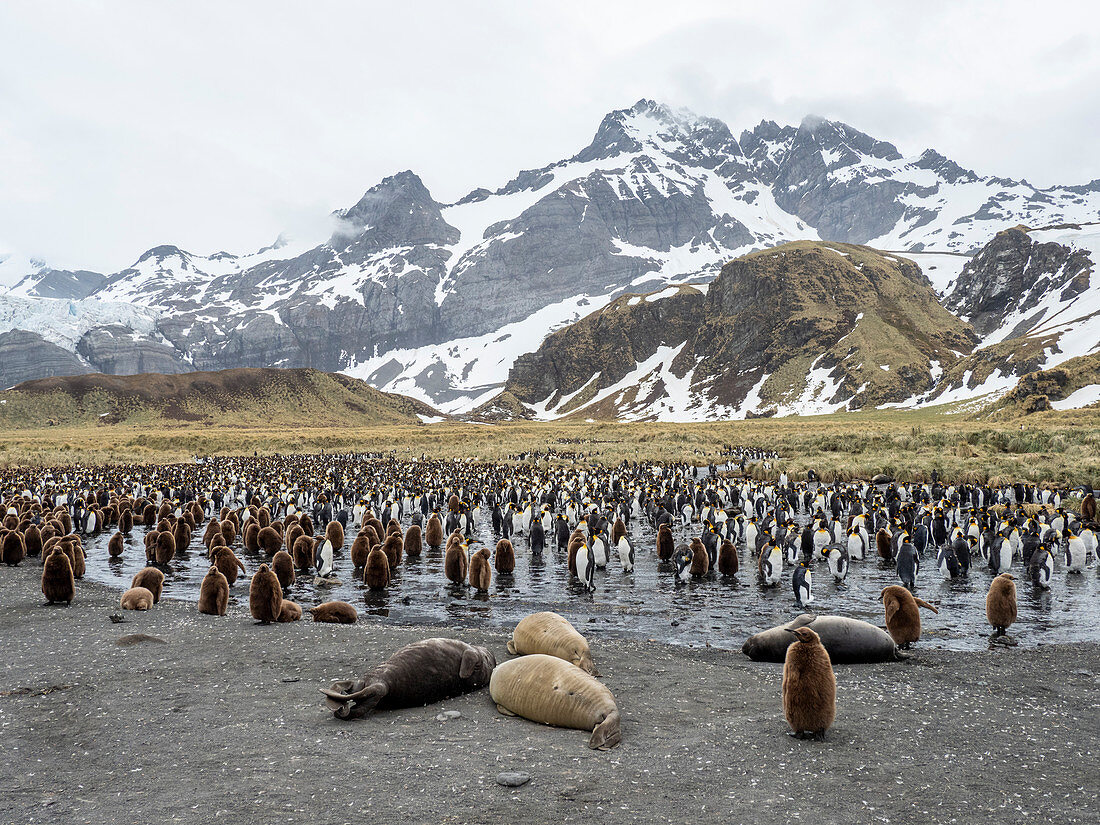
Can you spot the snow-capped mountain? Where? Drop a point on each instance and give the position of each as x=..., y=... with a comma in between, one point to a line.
x=438, y=300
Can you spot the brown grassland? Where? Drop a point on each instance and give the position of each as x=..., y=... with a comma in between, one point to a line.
x=1054, y=447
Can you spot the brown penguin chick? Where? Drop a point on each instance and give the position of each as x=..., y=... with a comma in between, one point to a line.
x=166, y=547
x=1088, y=508
x=290, y=611
x=151, y=546
x=76, y=555
x=58, y=584
x=456, y=563
x=433, y=533
x=883, y=544
x=700, y=558
x=32, y=540
x=212, y=528
x=306, y=523
x=12, y=549
x=809, y=686
x=149, y=514
x=378, y=529
x=902, y=615
x=126, y=522
x=728, y=563
x=376, y=572
x=293, y=530
x=393, y=547
x=666, y=546
x=360, y=549
x=269, y=540
x=151, y=579
x=414, y=545
x=263, y=517
x=214, y=592
x=115, y=546
x=453, y=503
x=393, y=527
x=335, y=533
x=618, y=530
x=164, y=510
x=136, y=598
x=302, y=552
x=481, y=572
x=265, y=596
x=334, y=612
x=283, y=567
x=229, y=532
x=181, y=533
x=251, y=537
x=227, y=562
x=505, y=556
x=1000, y=603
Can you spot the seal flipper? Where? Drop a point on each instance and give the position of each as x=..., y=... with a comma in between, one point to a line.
x=607, y=734
x=505, y=711
x=512, y=647
x=345, y=705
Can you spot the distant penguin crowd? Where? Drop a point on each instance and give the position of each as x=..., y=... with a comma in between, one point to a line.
x=363, y=516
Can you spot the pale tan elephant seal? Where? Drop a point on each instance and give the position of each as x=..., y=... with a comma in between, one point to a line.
x=552, y=691
x=553, y=635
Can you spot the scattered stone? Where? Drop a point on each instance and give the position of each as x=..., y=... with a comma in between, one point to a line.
x=513, y=779
x=117, y=618
x=138, y=639
x=448, y=715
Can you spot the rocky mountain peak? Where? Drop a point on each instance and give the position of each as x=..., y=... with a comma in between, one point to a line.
x=398, y=211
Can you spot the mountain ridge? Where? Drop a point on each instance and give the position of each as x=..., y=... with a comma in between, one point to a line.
x=438, y=300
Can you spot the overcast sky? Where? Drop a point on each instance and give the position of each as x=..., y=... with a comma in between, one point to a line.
x=218, y=125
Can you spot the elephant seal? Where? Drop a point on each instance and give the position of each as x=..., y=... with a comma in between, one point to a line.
x=418, y=674
x=550, y=690
x=553, y=635
x=848, y=641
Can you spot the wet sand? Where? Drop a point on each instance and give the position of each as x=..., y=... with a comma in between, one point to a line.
x=224, y=723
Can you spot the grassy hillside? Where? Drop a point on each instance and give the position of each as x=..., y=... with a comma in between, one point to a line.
x=864, y=324
x=1060, y=447
x=1034, y=391
x=240, y=397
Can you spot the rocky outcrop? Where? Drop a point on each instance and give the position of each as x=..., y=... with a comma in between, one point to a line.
x=116, y=350
x=25, y=355
x=1012, y=275
x=805, y=324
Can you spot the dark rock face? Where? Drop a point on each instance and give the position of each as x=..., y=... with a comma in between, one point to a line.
x=115, y=350
x=26, y=355
x=1012, y=274
x=61, y=283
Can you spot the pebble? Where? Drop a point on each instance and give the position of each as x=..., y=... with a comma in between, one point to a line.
x=513, y=779
x=448, y=714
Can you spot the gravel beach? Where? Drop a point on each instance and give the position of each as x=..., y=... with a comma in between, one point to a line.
x=222, y=721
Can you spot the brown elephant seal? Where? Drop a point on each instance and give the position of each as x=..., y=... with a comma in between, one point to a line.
x=553, y=635
x=418, y=674
x=136, y=598
x=552, y=691
x=848, y=641
x=809, y=686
